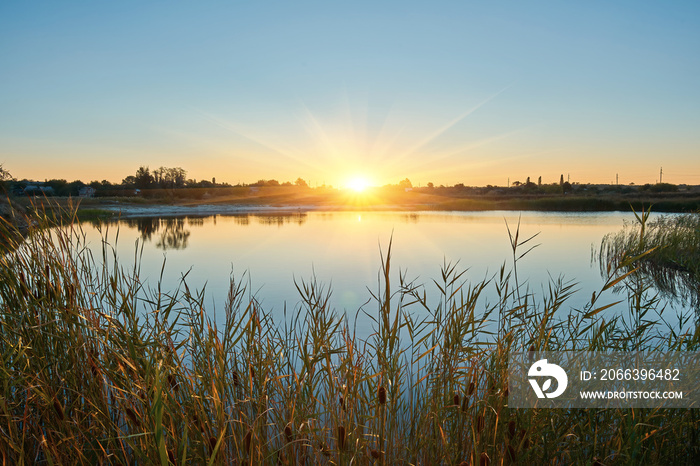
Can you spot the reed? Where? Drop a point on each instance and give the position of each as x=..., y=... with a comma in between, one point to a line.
x=98, y=368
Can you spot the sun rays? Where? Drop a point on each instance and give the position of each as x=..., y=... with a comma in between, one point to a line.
x=379, y=145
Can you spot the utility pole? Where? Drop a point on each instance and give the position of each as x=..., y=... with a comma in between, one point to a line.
x=617, y=178
x=661, y=175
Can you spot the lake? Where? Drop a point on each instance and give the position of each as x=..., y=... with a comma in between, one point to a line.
x=342, y=249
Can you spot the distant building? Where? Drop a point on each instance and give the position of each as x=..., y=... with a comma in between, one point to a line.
x=86, y=191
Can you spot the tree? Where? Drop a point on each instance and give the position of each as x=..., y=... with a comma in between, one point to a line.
x=143, y=177
x=561, y=180
x=4, y=174
x=539, y=181
x=129, y=181
x=301, y=183
x=405, y=183
x=430, y=185
x=4, y=177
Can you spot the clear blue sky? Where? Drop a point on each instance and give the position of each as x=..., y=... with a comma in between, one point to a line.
x=472, y=92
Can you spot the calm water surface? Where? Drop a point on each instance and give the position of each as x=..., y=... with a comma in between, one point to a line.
x=342, y=249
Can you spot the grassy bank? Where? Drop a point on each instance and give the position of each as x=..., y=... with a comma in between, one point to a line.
x=97, y=368
x=384, y=199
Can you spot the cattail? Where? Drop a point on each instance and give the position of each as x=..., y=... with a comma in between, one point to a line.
x=374, y=454
x=341, y=437
x=132, y=415
x=341, y=402
x=212, y=443
x=236, y=381
x=526, y=443
x=472, y=388
x=288, y=433
x=59, y=409
x=484, y=460
x=511, y=430
x=252, y=373
x=465, y=463
x=531, y=353
x=480, y=423
x=455, y=399
x=174, y=384
x=511, y=453
x=381, y=395
x=93, y=367
x=24, y=287
x=171, y=456
x=505, y=392
x=246, y=441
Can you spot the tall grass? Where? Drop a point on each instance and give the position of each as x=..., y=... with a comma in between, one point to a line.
x=97, y=368
x=671, y=247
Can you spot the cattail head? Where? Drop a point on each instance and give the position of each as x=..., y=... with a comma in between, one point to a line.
x=93, y=366
x=174, y=384
x=131, y=414
x=511, y=454
x=465, y=404
x=341, y=402
x=341, y=437
x=511, y=430
x=531, y=352
x=23, y=286
x=472, y=388
x=235, y=378
x=171, y=456
x=484, y=459
x=246, y=441
x=465, y=463
x=381, y=395
x=480, y=423
x=59, y=409
x=455, y=399
x=288, y=434
x=212, y=443
x=374, y=454
x=526, y=441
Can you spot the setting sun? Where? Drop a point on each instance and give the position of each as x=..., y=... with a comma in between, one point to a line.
x=358, y=184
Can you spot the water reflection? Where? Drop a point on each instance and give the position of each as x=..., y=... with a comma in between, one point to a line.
x=173, y=233
x=342, y=249
x=673, y=283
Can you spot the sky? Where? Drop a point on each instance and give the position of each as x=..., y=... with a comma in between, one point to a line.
x=445, y=92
